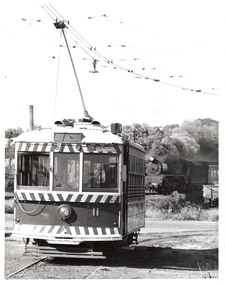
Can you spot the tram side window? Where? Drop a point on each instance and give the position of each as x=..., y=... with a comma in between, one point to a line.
x=33, y=169
x=66, y=171
x=100, y=171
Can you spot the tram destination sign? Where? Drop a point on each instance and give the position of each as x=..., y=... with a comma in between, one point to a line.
x=68, y=137
x=101, y=148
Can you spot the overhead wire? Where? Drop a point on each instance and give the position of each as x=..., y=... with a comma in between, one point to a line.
x=137, y=47
x=55, y=15
x=142, y=29
x=83, y=41
x=62, y=18
x=46, y=10
x=72, y=34
x=80, y=41
x=80, y=45
x=32, y=20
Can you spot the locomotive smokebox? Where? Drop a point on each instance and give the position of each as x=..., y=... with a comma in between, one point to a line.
x=31, y=117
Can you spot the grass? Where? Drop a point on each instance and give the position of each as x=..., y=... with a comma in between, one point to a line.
x=177, y=207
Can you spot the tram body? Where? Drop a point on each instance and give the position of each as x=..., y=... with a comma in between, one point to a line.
x=79, y=191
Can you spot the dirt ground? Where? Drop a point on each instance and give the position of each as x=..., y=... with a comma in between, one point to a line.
x=176, y=254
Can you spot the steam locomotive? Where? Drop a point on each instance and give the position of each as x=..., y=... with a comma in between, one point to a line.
x=180, y=175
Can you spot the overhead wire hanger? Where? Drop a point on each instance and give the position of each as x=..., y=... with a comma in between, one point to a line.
x=94, y=66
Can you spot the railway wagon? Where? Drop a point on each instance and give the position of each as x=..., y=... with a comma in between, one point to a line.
x=79, y=190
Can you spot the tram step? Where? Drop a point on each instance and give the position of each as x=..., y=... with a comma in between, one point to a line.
x=54, y=252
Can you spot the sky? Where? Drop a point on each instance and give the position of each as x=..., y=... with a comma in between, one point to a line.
x=170, y=47
x=158, y=62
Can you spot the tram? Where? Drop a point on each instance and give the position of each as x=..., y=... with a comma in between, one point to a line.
x=79, y=190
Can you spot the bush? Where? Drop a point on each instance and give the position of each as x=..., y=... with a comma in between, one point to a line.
x=9, y=206
x=176, y=207
x=153, y=213
x=174, y=203
x=9, y=181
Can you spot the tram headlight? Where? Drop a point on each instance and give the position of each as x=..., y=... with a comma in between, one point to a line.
x=64, y=211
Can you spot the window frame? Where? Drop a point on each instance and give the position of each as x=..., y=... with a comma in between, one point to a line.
x=102, y=189
x=31, y=172
x=81, y=189
x=67, y=189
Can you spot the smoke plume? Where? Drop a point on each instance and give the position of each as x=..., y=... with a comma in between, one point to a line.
x=193, y=140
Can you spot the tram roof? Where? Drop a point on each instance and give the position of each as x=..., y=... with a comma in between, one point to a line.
x=90, y=134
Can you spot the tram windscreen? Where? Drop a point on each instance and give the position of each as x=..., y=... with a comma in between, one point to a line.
x=33, y=169
x=66, y=171
x=100, y=172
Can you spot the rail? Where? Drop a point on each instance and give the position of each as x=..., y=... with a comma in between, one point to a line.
x=24, y=268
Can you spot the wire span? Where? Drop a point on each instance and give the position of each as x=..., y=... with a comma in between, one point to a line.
x=94, y=54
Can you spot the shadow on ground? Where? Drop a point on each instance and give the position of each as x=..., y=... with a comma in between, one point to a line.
x=153, y=258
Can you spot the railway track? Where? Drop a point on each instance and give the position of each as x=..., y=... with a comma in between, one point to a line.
x=92, y=273
x=89, y=275
x=154, y=254
x=25, y=267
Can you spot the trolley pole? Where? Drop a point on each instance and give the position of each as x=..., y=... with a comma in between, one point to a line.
x=61, y=25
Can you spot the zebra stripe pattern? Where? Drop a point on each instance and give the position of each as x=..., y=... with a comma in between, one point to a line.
x=67, y=197
x=66, y=147
x=65, y=231
x=47, y=147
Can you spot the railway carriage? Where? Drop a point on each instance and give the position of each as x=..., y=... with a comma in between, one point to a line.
x=79, y=190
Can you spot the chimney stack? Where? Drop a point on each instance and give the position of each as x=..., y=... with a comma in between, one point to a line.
x=31, y=118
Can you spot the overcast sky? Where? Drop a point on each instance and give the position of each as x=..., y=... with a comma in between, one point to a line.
x=173, y=49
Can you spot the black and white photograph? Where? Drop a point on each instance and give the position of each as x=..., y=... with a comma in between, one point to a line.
x=111, y=116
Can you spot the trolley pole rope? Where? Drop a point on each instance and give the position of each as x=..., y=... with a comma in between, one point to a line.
x=61, y=25
x=82, y=99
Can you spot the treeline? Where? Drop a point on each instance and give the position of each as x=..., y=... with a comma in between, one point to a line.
x=197, y=139
x=190, y=140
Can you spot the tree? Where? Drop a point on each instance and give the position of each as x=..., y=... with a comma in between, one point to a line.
x=9, y=180
x=137, y=133
x=197, y=139
x=10, y=147
x=10, y=151
x=10, y=155
x=13, y=133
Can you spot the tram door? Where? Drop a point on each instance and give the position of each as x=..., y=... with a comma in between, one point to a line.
x=124, y=204
x=133, y=189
